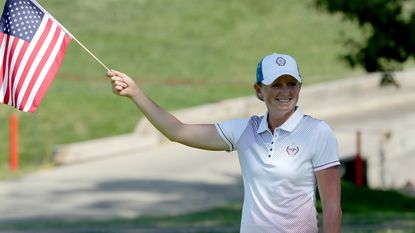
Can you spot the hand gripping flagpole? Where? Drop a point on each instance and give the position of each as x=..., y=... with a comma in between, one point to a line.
x=74, y=38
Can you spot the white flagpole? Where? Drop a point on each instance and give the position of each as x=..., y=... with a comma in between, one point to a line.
x=90, y=53
x=67, y=32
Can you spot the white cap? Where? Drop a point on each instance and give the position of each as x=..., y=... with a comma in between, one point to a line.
x=274, y=66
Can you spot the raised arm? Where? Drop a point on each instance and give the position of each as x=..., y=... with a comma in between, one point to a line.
x=203, y=136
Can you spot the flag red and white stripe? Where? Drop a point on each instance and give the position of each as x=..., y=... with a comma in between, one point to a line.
x=28, y=67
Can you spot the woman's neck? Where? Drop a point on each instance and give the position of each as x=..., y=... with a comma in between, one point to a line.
x=275, y=120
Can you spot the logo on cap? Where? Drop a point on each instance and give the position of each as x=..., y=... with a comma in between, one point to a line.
x=281, y=61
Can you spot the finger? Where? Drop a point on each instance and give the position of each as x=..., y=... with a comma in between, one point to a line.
x=118, y=73
x=118, y=84
x=116, y=78
x=123, y=84
x=118, y=88
x=110, y=73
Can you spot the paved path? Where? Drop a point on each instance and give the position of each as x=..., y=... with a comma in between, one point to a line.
x=394, y=171
x=166, y=180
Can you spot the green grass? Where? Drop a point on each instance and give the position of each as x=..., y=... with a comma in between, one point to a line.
x=183, y=53
x=364, y=210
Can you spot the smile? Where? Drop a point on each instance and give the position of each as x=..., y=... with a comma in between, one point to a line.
x=284, y=100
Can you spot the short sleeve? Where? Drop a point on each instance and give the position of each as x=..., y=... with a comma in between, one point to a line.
x=327, y=153
x=231, y=131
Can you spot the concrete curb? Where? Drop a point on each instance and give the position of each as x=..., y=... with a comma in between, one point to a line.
x=327, y=100
x=101, y=148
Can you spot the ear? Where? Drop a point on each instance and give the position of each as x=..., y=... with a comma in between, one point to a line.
x=258, y=91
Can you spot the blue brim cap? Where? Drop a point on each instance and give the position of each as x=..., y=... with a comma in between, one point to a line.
x=274, y=66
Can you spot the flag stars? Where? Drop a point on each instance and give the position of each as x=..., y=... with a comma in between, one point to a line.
x=23, y=22
x=21, y=17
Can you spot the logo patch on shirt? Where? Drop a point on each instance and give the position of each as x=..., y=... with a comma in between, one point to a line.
x=292, y=150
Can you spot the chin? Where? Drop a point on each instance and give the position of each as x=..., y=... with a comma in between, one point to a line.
x=285, y=110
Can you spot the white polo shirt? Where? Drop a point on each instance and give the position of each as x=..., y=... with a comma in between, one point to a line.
x=278, y=170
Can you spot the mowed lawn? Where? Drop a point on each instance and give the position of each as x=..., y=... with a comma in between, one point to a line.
x=182, y=52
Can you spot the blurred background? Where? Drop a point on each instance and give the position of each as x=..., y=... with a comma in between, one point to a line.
x=183, y=53
x=186, y=53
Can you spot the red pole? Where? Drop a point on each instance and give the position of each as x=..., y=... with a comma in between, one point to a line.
x=14, y=150
x=358, y=162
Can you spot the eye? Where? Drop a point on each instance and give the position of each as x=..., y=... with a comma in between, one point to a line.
x=276, y=85
x=292, y=84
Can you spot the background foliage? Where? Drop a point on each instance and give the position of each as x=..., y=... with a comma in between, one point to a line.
x=388, y=28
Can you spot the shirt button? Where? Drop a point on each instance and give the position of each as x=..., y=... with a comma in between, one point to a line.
x=270, y=149
x=269, y=156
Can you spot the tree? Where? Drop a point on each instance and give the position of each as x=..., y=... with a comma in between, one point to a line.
x=389, y=29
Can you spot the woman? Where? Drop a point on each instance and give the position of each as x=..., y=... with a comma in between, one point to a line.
x=283, y=154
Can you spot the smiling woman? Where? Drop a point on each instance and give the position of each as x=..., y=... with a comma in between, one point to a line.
x=278, y=84
x=280, y=97
x=283, y=154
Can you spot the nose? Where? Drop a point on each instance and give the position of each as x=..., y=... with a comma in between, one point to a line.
x=285, y=89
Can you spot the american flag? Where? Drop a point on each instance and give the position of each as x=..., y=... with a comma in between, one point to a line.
x=32, y=48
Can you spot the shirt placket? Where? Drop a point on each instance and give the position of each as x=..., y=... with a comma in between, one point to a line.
x=274, y=139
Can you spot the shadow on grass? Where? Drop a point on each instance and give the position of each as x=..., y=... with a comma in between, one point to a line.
x=364, y=210
x=111, y=200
